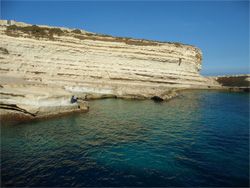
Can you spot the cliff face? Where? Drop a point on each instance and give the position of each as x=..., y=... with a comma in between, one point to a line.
x=42, y=67
x=101, y=65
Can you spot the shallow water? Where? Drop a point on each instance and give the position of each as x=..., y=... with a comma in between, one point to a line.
x=199, y=139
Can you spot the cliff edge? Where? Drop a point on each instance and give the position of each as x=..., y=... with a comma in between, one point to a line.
x=77, y=62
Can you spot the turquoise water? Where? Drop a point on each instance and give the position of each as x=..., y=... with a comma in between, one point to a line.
x=200, y=139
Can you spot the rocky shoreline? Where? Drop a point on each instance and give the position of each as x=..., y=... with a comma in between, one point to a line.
x=24, y=101
x=235, y=82
x=21, y=101
x=42, y=67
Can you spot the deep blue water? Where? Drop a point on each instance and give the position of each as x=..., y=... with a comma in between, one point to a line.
x=200, y=139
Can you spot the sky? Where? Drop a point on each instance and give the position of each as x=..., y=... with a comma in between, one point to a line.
x=220, y=29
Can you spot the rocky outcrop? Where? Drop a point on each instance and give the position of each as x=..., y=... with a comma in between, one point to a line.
x=30, y=101
x=101, y=64
x=235, y=82
x=93, y=66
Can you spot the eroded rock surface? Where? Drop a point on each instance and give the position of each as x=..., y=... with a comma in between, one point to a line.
x=50, y=69
x=38, y=101
x=97, y=66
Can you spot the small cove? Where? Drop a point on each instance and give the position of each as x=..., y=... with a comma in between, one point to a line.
x=198, y=139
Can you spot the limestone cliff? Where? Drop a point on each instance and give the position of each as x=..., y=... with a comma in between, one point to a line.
x=81, y=62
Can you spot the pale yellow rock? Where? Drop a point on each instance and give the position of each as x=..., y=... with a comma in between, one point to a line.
x=36, y=101
x=93, y=66
x=40, y=75
x=3, y=22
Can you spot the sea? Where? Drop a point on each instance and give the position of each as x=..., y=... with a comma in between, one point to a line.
x=200, y=139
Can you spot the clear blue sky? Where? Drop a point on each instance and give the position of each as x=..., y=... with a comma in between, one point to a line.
x=219, y=28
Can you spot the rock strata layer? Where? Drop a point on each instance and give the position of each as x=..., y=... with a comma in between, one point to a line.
x=92, y=66
x=29, y=101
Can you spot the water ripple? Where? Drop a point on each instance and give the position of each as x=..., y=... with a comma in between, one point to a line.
x=200, y=139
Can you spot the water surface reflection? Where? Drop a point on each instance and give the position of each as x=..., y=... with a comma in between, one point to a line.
x=200, y=139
